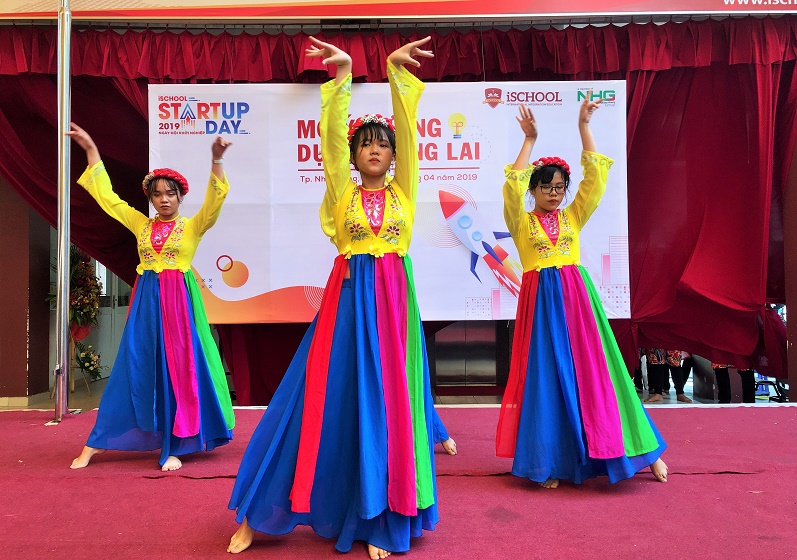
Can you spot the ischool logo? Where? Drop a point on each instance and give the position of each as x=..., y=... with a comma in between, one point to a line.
x=492, y=96
x=533, y=98
x=609, y=96
x=181, y=114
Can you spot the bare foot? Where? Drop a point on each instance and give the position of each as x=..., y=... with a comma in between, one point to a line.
x=550, y=483
x=172, y=464
x=375, y=553
x=242, y=538
x=683, y=398
x=654, y=398
x=85, y=457
x=450, y=446
x=659, y=470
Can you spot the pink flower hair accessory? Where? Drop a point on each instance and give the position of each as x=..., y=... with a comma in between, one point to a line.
x=552, y=160
x=374, y=118
x=167, y=173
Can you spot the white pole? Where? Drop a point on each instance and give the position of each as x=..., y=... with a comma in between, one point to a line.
x=62, y=304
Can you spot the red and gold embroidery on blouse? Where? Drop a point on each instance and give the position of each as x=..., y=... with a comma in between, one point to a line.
x=162, y=238
x=552, y=237
x=374, y=206
x=375, y=214
x=160, y=233
x=550, y=224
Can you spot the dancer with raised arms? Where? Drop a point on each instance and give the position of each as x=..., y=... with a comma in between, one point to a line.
x=167, y=389
x=570, y=410
x=346, y=444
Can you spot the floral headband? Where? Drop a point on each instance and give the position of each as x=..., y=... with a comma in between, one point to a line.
x=370, y=119
x=168, y=174
x=553, y=160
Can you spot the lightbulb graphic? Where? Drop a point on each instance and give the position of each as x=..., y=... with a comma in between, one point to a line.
x=457, y=122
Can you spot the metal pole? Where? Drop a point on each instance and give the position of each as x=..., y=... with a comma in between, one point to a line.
x=790, y=270
x=62, y=305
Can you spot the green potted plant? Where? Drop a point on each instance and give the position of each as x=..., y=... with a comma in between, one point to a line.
x=87, y=361
x=84, y=294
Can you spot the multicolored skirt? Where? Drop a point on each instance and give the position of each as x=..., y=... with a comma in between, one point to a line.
x=345, y=446
x=570, y=410
x=167, y=389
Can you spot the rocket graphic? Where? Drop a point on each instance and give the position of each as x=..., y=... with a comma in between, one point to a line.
x=466, y=223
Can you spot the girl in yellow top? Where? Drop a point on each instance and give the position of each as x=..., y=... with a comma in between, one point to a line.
x=167, y=389
x=570, y=410
x=346, y=443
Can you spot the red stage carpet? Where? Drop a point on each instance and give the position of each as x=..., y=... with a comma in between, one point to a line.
x=732, y=494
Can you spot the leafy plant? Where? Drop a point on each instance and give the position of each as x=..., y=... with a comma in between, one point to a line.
x=88, y=361
x=84, y=289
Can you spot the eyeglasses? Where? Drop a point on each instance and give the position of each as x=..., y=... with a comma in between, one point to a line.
x=547, y=189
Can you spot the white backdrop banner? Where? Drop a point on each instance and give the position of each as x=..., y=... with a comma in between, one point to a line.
x=266, y=260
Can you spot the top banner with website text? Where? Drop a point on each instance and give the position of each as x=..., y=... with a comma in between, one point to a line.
x=152, y=10
x=267, y=260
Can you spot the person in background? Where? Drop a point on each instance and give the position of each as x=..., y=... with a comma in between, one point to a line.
x=674, y=360
x=658, y=374
x=722, y=377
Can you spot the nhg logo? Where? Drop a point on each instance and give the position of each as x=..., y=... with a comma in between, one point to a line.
x=492, y=96
x=609, y=96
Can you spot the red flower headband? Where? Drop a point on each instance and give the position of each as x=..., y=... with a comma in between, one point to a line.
x=553, y=160
x=167, y=173
x=369, y=119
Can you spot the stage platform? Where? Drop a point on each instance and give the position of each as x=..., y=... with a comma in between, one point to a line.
x=732, y=493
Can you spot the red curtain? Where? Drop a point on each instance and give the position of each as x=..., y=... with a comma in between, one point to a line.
x=712, y=107
x=257, y=357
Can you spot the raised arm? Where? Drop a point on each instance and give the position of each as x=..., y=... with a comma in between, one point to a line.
x=82, y=139
x=517, y=177
x=595, y=166
x=217, y=190
x=331, y=55
x=335, y=154
x=405, y=92
x=217, y=150
x=584, y=116
x=96, y=181
x=529, y=127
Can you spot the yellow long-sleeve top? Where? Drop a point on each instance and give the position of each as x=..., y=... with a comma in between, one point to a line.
x=342, y=215
x=179, y=249
x=535, y=248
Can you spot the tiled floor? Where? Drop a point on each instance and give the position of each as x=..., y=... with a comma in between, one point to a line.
x=469, y=400
x=496, y=399
x=669, y=399
x=80, y=399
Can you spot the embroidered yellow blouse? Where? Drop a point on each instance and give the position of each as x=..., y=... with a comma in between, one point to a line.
x=535, y=248
x=179, y=249
x=343, y=218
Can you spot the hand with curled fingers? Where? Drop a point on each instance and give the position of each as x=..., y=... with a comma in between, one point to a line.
x=406, y=53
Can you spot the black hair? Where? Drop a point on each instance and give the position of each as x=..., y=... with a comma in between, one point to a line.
x=544, y=175
x=171, y=186
x=368, y=133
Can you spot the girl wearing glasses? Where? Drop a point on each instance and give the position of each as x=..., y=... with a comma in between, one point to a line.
x=570, y=411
